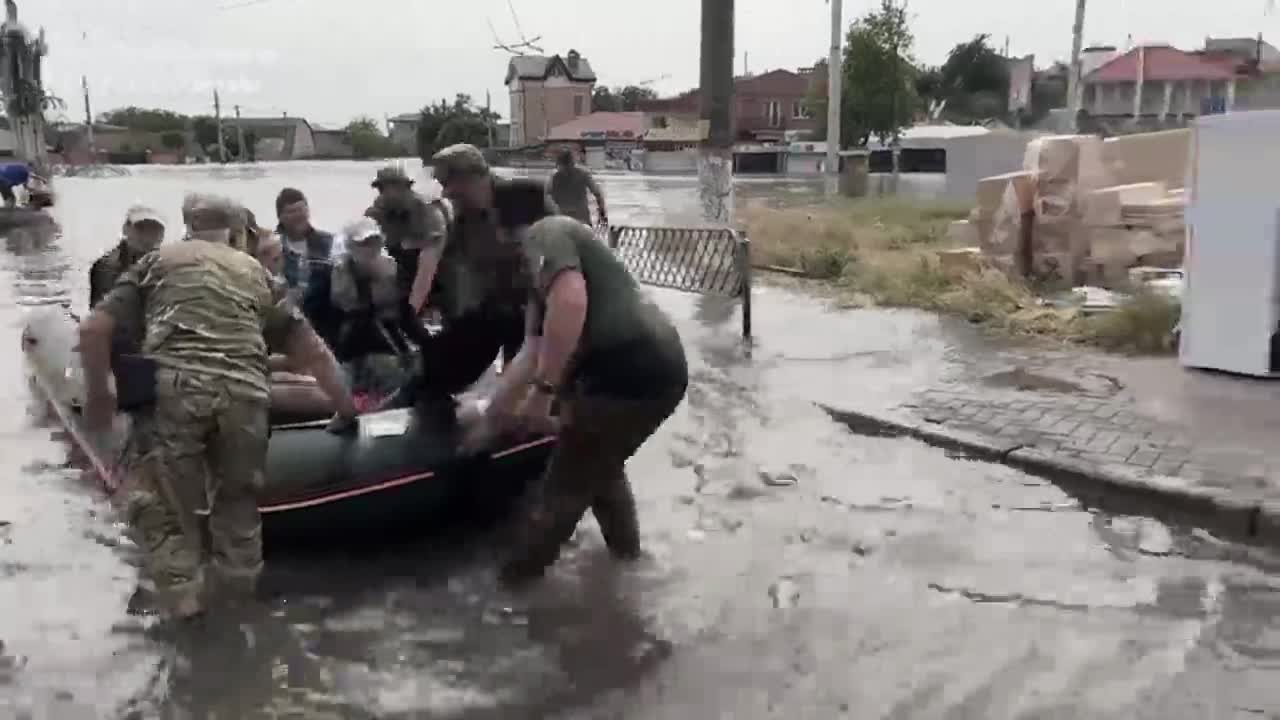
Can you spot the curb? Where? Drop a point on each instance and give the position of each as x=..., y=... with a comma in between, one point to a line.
x=1111, y=487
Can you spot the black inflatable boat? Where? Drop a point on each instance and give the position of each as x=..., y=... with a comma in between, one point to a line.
x=401, y=470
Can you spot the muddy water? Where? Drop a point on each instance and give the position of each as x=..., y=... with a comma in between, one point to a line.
x=796, y=569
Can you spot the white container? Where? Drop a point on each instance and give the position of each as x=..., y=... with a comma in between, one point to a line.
x=1231, y=304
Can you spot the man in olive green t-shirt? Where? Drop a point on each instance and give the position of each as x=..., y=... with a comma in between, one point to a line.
x=569, y=186
x=617, y=365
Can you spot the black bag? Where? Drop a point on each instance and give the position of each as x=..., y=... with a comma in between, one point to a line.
x=135, y=382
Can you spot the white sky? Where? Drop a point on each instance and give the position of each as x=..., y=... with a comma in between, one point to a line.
x=329, y=61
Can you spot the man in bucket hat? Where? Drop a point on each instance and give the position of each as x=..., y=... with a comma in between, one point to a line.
x=413, y=229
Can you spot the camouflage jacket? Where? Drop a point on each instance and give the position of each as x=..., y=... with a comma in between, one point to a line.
x=208, y=309
x=107, y=269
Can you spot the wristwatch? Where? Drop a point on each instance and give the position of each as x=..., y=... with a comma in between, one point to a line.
x=545, y=387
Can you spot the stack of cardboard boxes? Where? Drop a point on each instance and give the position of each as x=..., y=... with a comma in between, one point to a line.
x=1066, y=219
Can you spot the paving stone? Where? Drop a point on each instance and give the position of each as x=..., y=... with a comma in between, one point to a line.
x=1144, y=458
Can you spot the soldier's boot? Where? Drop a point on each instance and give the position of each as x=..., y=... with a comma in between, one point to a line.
x=541, y=535
x=615, y=511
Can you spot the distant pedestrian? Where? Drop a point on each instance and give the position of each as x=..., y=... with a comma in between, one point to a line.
x=569, y=186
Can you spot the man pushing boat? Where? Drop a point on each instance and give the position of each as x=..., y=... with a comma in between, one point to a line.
x=207, y=314
x=617, y=366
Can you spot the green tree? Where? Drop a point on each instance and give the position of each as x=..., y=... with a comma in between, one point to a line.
x=603, y=99
x=436, y=118
x=974, y=81
x=145, y=119
x=623, y=99
x=205, y=129
x=173, y=140
x=368, y=140
x=879, y=94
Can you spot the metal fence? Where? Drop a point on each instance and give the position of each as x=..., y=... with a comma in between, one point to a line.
x=707, y=261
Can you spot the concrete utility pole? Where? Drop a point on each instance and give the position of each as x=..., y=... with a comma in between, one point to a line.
x=715, y=166
x=240, y=136
x=835, y=66
x=88, y=122
x=217, y=121
x=1073, y=80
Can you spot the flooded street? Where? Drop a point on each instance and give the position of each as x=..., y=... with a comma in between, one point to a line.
x=796, y=570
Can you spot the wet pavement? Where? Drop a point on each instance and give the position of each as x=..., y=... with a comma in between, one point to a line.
x=797, y=570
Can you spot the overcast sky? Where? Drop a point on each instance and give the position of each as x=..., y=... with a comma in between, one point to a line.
x=329, y=61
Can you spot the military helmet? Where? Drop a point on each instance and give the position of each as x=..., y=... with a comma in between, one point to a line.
x=460, y=160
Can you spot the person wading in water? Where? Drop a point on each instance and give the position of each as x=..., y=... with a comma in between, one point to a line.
x=569, y=186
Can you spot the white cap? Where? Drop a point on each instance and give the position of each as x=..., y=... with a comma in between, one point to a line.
x=140, y=213
x=361, y=231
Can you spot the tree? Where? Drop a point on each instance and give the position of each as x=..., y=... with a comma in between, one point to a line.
x=603, y=99
x=434, y=119
x=624, y=99
x=974, y=81
x=368, y=140
x=173, y=140
x=205, y=129
x=879, y=94
x=145, y=119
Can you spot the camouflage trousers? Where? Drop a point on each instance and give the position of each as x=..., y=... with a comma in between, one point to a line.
x=588, y=471
x=198, y=449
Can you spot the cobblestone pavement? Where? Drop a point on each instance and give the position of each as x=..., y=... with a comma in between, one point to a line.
x=1098, y=428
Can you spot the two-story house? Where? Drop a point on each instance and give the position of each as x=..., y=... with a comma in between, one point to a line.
x=546, y=92
x=766, y=107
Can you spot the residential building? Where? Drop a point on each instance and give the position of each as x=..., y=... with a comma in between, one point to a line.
x=546, y=92
x=332, y=144
x=115, y=143
x=1159, y=83
x=280, y=138
x=403, y=130
x=768, y=108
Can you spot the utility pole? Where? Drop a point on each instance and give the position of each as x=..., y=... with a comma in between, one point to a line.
x=1073, y=80
x=715, y=164
x=488, y=115
x=217, y=120
x=835, y=67
x=240, y=136
x=88, y=122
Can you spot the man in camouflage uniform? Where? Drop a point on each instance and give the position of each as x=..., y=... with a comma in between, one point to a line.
x=143, y=232
x=414, y=230
x=479, y=283
x=618, y=368
x=209, y=313
x=569, y=186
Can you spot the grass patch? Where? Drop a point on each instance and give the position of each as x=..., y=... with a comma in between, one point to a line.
x=887, y=250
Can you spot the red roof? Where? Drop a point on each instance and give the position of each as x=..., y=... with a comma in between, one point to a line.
x=1160, y=62
x=601, y=125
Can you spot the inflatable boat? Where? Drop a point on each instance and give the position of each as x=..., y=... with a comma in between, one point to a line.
x=400, y=470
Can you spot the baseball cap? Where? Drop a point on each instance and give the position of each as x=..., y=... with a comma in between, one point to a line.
x=363, y=232
x=460, y=160
x=142, y=213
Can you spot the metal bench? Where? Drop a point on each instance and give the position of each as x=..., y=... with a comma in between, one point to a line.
x=706, y=261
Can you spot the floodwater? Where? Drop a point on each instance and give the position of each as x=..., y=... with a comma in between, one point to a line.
x=796, y=570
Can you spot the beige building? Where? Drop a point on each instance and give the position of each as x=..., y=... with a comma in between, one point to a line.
x=546, y=92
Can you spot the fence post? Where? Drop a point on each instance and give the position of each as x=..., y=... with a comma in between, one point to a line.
x=614, y=232
x=743, y=255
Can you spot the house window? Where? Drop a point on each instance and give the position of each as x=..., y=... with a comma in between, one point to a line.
x=577, y=104
x=799, y=111
x=773, y=112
